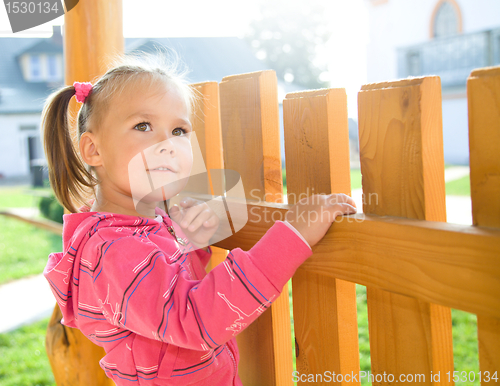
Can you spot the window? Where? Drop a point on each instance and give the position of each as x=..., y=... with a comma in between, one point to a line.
x=446, y=21
x=35, y=68
x=28, y=128
x=413, y=63
x=52, y=67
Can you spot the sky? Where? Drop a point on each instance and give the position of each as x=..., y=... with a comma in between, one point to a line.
x=345, y=53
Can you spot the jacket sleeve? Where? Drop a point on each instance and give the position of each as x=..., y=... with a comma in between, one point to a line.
x=141, y=289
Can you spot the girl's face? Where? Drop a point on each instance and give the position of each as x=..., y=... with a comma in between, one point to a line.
x=144, y=146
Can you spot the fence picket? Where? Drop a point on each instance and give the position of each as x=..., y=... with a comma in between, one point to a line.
x=483, y=93
x=317, y=161
x=250, y=132
x=401, y=151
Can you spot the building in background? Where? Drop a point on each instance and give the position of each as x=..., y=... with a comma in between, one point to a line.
x=32, y=68
x=29, y=69
x=448, y=38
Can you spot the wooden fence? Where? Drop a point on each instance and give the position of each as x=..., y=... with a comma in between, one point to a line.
x=415, y=265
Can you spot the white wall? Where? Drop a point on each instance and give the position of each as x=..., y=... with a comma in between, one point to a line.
x=400, y=23
x=14, y=153
x=479, y=15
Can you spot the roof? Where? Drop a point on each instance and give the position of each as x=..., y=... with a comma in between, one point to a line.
x=44, y=46
x=16, y=95
x=208, y=59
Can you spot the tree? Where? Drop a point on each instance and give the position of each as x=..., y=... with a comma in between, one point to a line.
x=287, y=37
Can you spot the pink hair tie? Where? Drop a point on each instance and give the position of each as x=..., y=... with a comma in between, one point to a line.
x=82, y=90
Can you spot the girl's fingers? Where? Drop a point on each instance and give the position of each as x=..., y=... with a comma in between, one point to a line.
x=200, y=220
x=174, y=213
x=189, y=202
x=189, y=213
x=350, y=208
x=342, y=209
x=195, y=214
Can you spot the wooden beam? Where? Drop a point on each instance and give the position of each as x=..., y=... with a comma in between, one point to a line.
x=483, y=89
x=449, y=264
x=51, y=226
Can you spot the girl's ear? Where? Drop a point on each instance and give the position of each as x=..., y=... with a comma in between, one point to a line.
x=88, y=149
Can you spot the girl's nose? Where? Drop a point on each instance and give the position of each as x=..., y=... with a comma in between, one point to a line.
x=167, y=146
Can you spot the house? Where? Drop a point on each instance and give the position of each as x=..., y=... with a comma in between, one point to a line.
x=31, y=68
x=448, y=38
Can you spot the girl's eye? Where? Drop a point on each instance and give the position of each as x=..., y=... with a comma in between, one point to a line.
x=144, y=126
x=179, y=131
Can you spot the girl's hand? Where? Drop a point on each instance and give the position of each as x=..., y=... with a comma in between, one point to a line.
x=196, y=219
x=312, y=216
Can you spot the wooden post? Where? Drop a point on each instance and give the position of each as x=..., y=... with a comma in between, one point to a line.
x=92, y=33
x=402, y=163
x=317, y=161
x=483, y=92
x=250, y=132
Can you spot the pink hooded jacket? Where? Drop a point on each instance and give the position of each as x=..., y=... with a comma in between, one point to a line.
x=128, y=285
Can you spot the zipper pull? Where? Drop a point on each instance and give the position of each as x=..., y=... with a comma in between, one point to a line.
x=172, y=232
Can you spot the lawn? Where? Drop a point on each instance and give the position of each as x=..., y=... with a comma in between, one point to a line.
x=24, y=359
x=21, y=196
x=464, y=331
x=460, y=187
x=24, y=249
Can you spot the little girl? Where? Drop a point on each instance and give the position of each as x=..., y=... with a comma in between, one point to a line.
x=134, y=282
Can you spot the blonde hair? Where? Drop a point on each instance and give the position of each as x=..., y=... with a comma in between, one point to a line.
x=70, y=178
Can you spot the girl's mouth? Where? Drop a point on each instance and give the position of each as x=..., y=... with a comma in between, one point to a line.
x=161, y=169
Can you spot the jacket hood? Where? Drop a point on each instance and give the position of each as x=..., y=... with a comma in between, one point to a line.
x=77, y=228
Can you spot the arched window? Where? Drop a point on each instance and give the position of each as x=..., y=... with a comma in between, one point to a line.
x=446, y=20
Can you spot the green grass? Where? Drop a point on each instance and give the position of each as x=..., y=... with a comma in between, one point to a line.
x=364, y=341
x=355, y=179
x=19, y=197
x=460, y=187
x=464, y=332
x=24, y=359
x=24, y=249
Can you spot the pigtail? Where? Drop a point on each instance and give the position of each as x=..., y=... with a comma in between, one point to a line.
x=68, y=175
